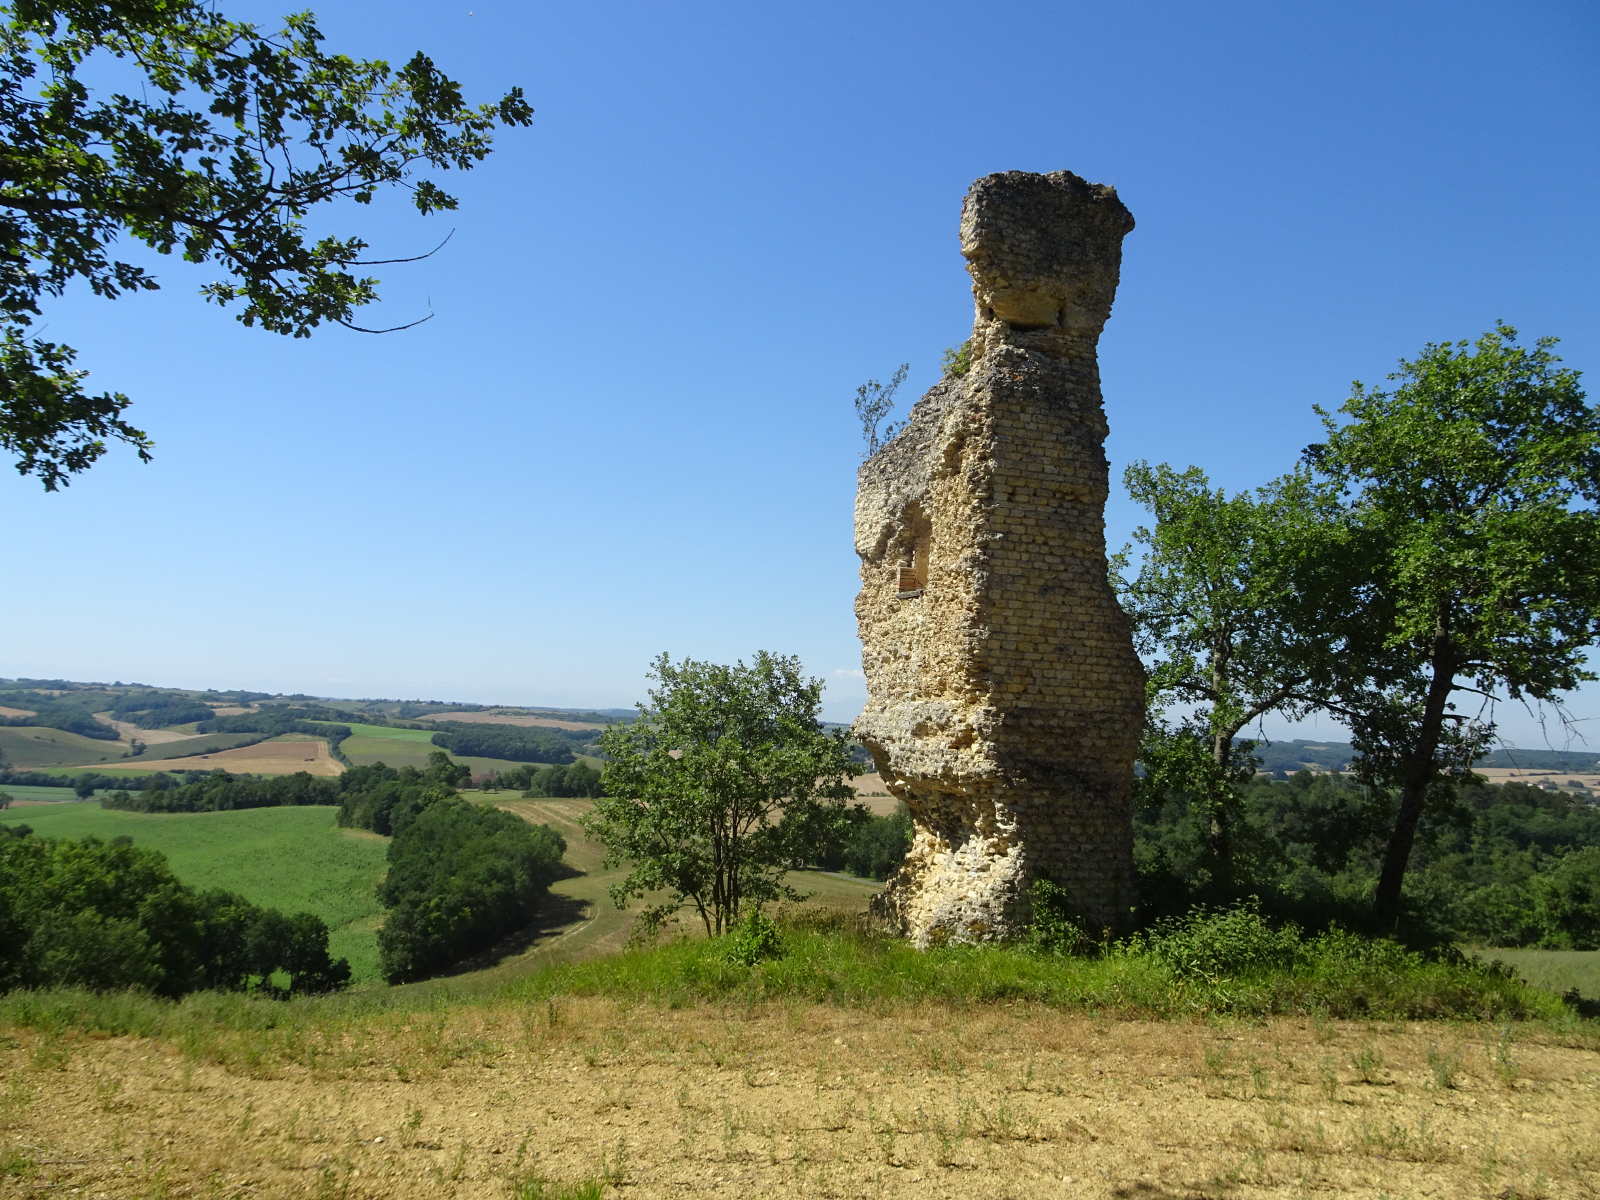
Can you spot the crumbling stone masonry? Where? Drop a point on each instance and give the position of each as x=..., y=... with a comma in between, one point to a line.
x=1004, y=697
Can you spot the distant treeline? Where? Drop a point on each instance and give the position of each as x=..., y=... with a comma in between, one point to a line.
x=153, y=710
x=111, y=915
x=85, y=782
x=578, y=779
x=518, y=743
x=218, y=791
x=312, y=719
x=1278, y=758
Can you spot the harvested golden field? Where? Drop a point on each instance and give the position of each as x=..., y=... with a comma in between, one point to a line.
x=803, y=1100
x=1537, y=775
x=6, y=711
x=511, y=718
x=150, y=737
x=871, y=792
x=232, y=710
x=277, y=757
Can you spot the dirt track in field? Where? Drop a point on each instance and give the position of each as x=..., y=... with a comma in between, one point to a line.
x=499, y=718
x=806, y=1101
x=264, y=758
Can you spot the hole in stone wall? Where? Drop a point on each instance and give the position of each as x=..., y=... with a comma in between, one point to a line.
x=916, y=537
x=1021, y=327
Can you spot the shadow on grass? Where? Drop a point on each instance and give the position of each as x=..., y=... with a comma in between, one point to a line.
x=556, y=914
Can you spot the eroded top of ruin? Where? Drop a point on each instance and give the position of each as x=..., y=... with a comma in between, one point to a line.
x=1044, y=251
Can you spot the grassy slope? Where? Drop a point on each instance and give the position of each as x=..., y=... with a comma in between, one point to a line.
x=29, y=747
x=406, y=748
x=46, y=795
x=1555, y=970
x=294, y=859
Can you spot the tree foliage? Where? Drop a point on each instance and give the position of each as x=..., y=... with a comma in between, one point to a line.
x=111, y=915
x=726, y=782
x=1223, y=609
x=461, y=877
x=167, y=123
x=1470, y=495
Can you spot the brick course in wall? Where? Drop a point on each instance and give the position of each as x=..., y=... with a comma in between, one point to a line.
x=1005, y=700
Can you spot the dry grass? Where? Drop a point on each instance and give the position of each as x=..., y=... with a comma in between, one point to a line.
x=150, y=737
x=510, y=718
x=232, y=710
x=871, y=792
x=803, y=1100
x=7, y=711
x=277, y=757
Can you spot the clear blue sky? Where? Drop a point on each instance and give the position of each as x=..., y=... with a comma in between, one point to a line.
x=628, y=427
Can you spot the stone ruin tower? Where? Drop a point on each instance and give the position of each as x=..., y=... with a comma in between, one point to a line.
x=1005, y=700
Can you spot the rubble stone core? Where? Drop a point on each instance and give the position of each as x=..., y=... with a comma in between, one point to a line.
x=1005, y=700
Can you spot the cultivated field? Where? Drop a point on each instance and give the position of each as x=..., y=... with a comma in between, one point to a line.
x=1537, y=776
x=15, y=712
x=511, y=718
x=294, y=859
x=279, y=756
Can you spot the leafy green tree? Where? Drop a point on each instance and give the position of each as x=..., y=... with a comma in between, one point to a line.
x=166, y=122
x=726, y=782
x=1224, y=614
x=1471, y=493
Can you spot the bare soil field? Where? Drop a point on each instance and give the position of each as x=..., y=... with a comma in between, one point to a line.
x=150, y=737
x=504, y=718
x=804, y=1101
x=277, y=757
x=6, y=711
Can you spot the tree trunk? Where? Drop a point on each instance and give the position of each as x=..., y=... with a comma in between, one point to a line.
x=1219, y=838
x=1417, y=773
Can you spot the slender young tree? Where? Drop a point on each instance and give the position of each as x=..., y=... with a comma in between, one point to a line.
x=1471, y=491
x=725, y=783
x=1222, y=610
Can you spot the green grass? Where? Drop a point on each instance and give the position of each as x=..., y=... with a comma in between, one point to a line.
x=48, y=795
x=31, y=747
x=360, y=729
x=407, y=748
x=1556, y=970
x=821, y=962
x=294, y=859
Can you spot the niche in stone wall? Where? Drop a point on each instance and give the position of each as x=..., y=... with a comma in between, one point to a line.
x=915, y=537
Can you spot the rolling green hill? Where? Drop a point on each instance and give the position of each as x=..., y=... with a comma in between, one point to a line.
x=29, y=746
x=293, y=859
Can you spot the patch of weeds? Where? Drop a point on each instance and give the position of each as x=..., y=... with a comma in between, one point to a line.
x=1445, y=1067
x=1505, y=1067
x=1368, y=1062
x=14, y=1164
x=755, y=939
x=538, y=1187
